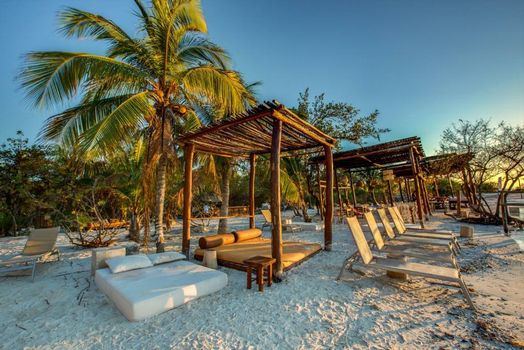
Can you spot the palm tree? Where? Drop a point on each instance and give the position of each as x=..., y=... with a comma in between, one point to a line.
x=145, y=85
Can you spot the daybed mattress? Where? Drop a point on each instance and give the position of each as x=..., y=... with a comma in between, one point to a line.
x=233, y=255
x=142, y=293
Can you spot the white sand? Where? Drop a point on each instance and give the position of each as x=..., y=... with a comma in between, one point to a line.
x=63, y=309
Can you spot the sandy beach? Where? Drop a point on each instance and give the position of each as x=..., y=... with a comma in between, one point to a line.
x=63, y=309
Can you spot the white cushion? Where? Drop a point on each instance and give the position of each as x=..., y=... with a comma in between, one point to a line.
x=142, y=293
x=129, y=262
x=161, y=258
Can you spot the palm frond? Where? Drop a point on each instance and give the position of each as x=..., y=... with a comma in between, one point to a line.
x=222, y=87
x=52, y=77
x=67, y=126
x=119, y=125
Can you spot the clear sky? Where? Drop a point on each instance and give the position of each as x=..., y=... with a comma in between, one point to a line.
x=422, y=64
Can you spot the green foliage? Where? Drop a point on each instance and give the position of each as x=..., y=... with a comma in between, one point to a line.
x=339, y=119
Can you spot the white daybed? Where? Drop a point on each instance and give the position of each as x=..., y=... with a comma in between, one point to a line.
x=146, y=292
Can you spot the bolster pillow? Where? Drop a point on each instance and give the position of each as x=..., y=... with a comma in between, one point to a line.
x=216, y=240
x=244, y=235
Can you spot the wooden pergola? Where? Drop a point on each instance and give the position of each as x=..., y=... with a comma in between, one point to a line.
x=272, y=129
x=403, y=157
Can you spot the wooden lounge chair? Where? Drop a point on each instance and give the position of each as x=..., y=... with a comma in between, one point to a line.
x=40, y=244
x=286, y=227
x=424, y=270
x=420, y=235
x=410, y=249
x=395, y=215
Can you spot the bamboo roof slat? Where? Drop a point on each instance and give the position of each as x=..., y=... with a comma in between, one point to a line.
x=250, y=132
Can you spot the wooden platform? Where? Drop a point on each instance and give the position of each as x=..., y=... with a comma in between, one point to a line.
x=233, y=255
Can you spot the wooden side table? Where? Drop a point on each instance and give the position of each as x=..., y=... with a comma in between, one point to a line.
x=260, y=263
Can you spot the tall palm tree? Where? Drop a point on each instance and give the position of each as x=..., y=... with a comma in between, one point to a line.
x=150, y=82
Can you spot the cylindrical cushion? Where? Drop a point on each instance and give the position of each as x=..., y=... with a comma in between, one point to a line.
x=244, y=235
x=216, y=240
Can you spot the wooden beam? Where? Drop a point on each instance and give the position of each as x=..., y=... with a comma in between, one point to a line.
x=390, y=193
x=189, y=151
x=353, y=194
x=400, y=190
x=417, y=188
x=328, y=220
x=276, y=216
x=300, y=127
x=252, y=165
x=339, y=195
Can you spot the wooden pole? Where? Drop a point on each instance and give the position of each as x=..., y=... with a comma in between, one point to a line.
x=390, y=193
x=473, y=190
x=339, y=195
x=426, y=196
x=417, y=189
x=408, y=189
x=435, y=183
x=189, y=151
x=328, y=220
x=276, y=201
x=252, y=168
x=400, y=190
x=459, y=204
x=353, y=194
x=320, y=196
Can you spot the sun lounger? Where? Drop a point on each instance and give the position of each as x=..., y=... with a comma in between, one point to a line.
x=40, y=244
x=408, y=235
x=425, y=252
x=145, y=292
x=395, y=215
x=293, y=227
x=400, y=266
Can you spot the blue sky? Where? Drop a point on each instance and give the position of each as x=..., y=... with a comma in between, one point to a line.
x=422, y=64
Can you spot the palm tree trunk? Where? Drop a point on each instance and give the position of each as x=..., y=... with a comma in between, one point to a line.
x=159, y=208
x=225, y=175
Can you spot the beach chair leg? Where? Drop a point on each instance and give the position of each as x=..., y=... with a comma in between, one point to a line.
x=33, y=270
x=467, y=296
x=248, y=273
x=348, y=265
x=456, y=242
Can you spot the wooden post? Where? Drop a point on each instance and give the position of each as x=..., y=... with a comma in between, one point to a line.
x=252, y=168
x=473, y=190
x=320, y=199
x=417, y=189
x=408, y=189
x=400, y=190
x=390, y=193
x=276, y=201
x=328, y=220
x=435, y=183
x=426, y=196
x=353, y=194
x=459, y=204
x=339, y=195
x=189, y=151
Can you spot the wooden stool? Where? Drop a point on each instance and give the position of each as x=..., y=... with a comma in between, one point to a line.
x=260, y=263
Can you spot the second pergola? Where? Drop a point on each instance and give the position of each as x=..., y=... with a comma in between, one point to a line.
x=272, y=129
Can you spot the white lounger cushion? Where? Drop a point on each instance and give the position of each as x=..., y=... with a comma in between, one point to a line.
x=162, y=258
x=143, y=293
x=129, y=262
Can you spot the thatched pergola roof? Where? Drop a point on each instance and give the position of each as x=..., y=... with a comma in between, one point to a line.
x=445, y=164
x=250, y=133
x=381, y=156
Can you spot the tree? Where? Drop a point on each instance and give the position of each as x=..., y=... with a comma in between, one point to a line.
x=143, y=86
x=498, y=152
x=338, y=119
x=25, y=179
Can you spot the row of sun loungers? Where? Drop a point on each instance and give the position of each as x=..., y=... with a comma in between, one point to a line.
x=413, y=244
